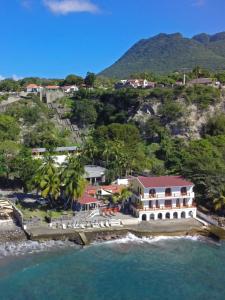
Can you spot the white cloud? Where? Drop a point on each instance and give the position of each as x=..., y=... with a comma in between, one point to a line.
x=199, y=3
x=64, y=7
x=16, y=77
x=2, y=77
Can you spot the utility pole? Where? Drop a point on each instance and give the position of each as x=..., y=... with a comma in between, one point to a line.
x=184, y=71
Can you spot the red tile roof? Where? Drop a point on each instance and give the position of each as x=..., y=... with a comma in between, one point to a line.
x=115, y=188
x=112, y=188
x=164, y=181
x=52, y=87
x=32, y=86
x=86, y=199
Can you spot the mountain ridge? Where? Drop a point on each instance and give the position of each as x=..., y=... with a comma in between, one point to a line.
x=164, y=53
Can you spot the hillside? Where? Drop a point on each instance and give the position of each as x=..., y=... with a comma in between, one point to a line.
x=169, y=52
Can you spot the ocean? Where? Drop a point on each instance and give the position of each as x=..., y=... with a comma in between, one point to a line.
x=126, y=269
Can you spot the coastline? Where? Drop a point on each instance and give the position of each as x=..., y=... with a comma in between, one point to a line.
x=86, y=237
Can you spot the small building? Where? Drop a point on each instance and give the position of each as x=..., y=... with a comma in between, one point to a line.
x=87, y=202
x=164, y=197
x=62, y=150
x=201, y=81
x=33, y=88
x=134, y=83
x=95, y=174
x=70, y=89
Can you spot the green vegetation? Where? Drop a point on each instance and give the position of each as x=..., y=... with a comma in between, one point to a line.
x=54, y=182
x=128, y=131
x=165, y=53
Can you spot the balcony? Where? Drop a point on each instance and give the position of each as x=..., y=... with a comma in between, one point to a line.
x=164, y=196
x=138, y=208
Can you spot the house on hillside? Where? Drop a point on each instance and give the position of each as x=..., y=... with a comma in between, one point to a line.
x=33, y=88
x=164, y=197
x=134, y=83
x=95, y=174
x=201, y=81
x=70, y=89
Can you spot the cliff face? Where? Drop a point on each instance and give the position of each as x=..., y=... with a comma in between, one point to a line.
x=189, y=125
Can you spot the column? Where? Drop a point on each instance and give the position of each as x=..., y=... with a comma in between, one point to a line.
x=174, y=201
x=162, y=203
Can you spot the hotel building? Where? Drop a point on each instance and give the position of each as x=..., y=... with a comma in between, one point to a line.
x=164, y=197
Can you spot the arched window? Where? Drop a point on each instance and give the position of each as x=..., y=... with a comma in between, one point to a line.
x=168, y=215
x=183, y=215
x=183, y=191
x=190, y=214
x=160, y=216
x=152, y=217
x=175, y=215
x=168, y=192
x=152, y=193
x=144, y=217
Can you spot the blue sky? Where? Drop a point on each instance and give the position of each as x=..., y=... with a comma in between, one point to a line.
x=53, y=38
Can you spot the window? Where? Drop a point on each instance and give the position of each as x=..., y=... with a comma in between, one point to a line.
x=168, y=192
x=183, y=191
x=152, y=193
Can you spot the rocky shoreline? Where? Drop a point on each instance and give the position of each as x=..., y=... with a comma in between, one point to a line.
x=12, y=235
x=85, y=237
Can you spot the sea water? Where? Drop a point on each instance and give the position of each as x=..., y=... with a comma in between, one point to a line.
x=126, y=269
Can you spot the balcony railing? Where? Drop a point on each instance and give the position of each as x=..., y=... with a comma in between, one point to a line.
x=164, y=207
x=163, y=195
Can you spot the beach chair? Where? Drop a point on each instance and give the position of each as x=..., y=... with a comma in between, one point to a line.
x=102, y=224
x=63, y=226
x=107, y=223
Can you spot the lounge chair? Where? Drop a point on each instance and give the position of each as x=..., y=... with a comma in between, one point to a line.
x=63, y=226
x=107, y=224
x=102, y=224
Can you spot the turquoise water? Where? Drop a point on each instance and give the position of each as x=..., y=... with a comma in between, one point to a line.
x=127, y=269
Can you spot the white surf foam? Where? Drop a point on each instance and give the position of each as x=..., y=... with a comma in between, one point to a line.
x=29, y=247
x=131, y=238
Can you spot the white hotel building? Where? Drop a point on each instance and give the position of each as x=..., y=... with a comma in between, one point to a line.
x=164, y=197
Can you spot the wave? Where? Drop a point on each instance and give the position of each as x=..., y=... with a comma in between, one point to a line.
x=131, y=238
x=31, y=247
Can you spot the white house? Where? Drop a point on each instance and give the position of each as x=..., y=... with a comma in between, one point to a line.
x=33, y=88
x=165, y=197
x=70, y=88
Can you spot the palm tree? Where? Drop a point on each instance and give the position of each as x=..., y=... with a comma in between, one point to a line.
x=120, y=197
x=90, y=150
x=50, y=186
x=72, y=176
x=108, y=151
x=47, y=179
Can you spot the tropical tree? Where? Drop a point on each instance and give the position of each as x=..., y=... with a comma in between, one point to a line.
x=47, y=179
x=123, y=195
x=90, y=151
x=72, y=176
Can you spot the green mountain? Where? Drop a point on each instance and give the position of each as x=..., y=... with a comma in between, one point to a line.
x=169, y=52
